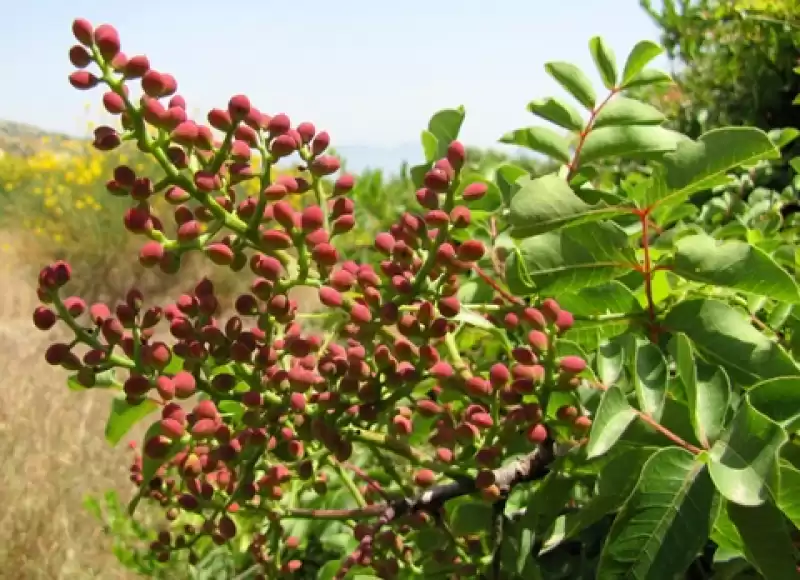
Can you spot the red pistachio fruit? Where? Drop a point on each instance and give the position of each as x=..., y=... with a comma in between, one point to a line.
x=572, y=364
x=424, y=478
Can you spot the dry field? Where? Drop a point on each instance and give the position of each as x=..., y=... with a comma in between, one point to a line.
x=53, y=448
x=53, y=453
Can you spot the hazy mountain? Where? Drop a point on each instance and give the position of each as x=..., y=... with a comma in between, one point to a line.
x=24, y=139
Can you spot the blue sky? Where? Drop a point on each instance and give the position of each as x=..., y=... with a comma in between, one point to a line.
x=371, y=73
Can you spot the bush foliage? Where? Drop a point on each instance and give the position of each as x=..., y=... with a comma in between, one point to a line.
x=590, y=372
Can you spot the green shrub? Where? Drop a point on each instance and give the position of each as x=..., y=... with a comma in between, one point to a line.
x=586, y=373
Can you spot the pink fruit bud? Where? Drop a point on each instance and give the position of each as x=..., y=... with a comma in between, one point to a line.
x=449, y=306
x=478, y=386
x=424, y=478
x=83, y=31
x=402, y=425
x=428, y=198
x=320, y=143
x=460, y=217
x=564, y=321
x=437, y=180
x=238, y=107
x=550, y=309
x=44, y=318
x=456, y=155
x=442, y=370
x=330, y=297
x=360, y=314
x=499, y=375
x=475, y=191
x=572, y=364
x=343, y=184
x=279, y=124
x=136, y=67
x=83, y=80
x=220, y=254
x=106, y=38
x=79, y=56
x=325, y=165
x=185, y=384
x=471, y=251
x=537, y=433
x=312, y=218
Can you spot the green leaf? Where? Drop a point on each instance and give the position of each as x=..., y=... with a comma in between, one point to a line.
x=574, y=81
x=766, y=540
x=649, y=76
x=175, y=365
x=547, y=203
x=473, y=318
x=566, y=261
x=102, y=380
x=725, y=533
x=650, y=379
x=471, y=517
x=625, y=111
x=665, y=522
x=611, y=357
x=778, y=399
x=604, y=60
x=733, y=264
x=789, y=493
x=542, y=140
x=725, y=336
x=744, y=463
x=614, y=415
x=516, y=550
x=430, y=146
x=124, y=416
x=639, y=57
x=558, y=112
x=630, y=141
x=782, y=137
x=445, y=126
x=611, y=298
x=506, y=177
x=708, y=391
x=615, y=483
x=696, y=165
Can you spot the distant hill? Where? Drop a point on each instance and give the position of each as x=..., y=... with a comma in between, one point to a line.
x=24, y=140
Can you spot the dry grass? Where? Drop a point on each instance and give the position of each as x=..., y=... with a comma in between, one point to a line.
x=53, y=447
x=53, y=451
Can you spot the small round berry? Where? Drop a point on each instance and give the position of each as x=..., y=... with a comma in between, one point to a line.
x=83, y=31
x=475, y=191
x=456, y=155
x=330, y=297
x=79, y=56
x=44, y=318
x=83, y=80
x=537, y=433
x=238, y=107
x=424, y=478
x=572, y=364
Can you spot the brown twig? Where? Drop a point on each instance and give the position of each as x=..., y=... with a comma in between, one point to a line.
x=488, y=279
x=369, y=480
x=531, y=467
x=657, y=426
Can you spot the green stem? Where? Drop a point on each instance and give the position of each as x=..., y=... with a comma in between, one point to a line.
x=349, y=484
x=88, y=339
